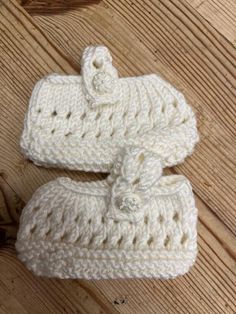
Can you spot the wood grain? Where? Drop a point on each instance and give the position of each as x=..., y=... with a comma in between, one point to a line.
x=36, y=7
x=196, y=70
x=203, y=67
x=220, y=14
x=170, y=37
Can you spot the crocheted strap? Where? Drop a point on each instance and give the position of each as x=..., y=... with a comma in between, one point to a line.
x=134, y=175
x=100, y=78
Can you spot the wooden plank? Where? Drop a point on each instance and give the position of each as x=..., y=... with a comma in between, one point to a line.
x=220, y=14
x=30, y=294
x=203, y=68
x=201, y=63
x=26, y=56
x=54, y=43
x=37, y=7
x=201, y=291
x=131, y=61
x=208, y=288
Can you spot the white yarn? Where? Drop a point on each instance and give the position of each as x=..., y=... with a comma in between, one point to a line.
x=70, y=229
x=135, y=174
x=100, y=78
x=82, y=122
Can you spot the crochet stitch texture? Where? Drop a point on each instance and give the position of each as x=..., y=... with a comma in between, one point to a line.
x=136, y=223
x=82, y=122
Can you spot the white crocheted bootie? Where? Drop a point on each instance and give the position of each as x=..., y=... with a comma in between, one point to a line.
x=136, y=223
x=82, y=122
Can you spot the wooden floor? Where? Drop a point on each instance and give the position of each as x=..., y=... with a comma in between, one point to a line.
x=192, y=44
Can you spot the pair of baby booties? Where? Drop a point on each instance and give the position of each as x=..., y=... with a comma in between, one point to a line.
x=137, y=222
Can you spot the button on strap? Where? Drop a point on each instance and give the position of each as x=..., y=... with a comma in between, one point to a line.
x=135, y=173
x=100, y=78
